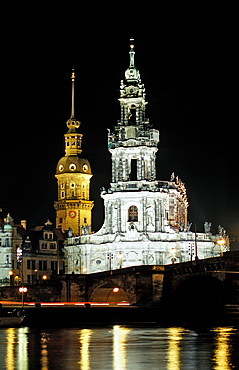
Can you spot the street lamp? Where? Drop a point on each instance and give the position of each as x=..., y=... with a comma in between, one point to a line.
x=22, y=289
x=11, y=273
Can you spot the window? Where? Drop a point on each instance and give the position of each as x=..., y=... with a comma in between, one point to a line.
x=42, y=265
x=31, y=264
x=85, y=220
x=52, y=246
x=53, y=265
x=133, y=174
x=133, y=213
x=44, y=246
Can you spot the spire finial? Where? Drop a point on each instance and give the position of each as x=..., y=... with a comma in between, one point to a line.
x=132, y=52
x=73, y=93
x=131, y=42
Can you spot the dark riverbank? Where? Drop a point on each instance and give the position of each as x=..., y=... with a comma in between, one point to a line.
x=64, y=316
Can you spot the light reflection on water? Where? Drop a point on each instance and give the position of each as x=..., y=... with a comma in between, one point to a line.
x=119, y=348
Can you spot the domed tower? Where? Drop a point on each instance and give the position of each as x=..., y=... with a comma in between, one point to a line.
x=73, y=173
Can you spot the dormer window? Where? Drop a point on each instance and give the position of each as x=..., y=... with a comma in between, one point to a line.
x=48, y=235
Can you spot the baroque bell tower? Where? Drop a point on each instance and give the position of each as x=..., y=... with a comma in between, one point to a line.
x=73, y=173
x=146, y=221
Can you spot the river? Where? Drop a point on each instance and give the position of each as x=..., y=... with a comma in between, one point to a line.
x=119, y=348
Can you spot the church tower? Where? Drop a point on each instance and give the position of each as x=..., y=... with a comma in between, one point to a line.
x=146, y=220
x=143, y=203
x=73, y=173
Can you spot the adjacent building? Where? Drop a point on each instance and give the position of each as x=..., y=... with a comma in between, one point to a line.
x=146, y=220
x=29, y=256
x=10, y=243
x=41, y=255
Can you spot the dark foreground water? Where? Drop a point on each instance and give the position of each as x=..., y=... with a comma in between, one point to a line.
x=119, y=347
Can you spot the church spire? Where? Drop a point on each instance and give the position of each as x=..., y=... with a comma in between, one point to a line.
x=131, y=53
x=73, y=94
x=72, y=124
x=132, y=73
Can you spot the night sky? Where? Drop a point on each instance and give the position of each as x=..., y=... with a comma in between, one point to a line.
x=187, y=64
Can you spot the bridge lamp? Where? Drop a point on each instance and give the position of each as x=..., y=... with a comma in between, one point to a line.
x=115, y=290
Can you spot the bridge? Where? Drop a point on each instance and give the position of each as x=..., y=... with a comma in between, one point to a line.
x=211, y=281
x=184, y=287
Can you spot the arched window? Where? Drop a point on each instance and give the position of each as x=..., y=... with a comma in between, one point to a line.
x=133, y=213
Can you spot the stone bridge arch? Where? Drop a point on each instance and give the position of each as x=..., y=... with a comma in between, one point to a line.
x=196, y=296
x=102, y=289
x=109, y=292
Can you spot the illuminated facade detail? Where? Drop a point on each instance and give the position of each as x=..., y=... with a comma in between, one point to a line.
x=146, y=220
x=73, y=173
x=10, y=246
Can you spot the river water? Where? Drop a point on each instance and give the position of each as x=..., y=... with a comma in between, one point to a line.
x=119, y=348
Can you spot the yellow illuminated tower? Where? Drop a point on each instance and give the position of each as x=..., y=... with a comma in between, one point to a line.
x=73, y=173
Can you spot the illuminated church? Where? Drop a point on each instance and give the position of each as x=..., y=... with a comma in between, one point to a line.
x=146, y=219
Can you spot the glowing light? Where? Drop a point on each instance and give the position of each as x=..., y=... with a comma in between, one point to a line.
x=22, y=289
x=44, y=277
x=115, y=290
x=221, y=241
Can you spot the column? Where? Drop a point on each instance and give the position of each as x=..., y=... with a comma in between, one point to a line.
x=109, y=218
x=120, y=170
x=144, y=213
x=156, y=205
x=113, y=169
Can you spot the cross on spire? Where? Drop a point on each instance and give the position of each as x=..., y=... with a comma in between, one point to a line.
x=73, y=94
x=131, y=53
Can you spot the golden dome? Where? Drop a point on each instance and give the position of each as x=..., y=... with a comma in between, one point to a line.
x=73, y=164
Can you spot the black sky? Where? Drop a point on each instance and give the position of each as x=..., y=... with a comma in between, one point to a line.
x=187, y=63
